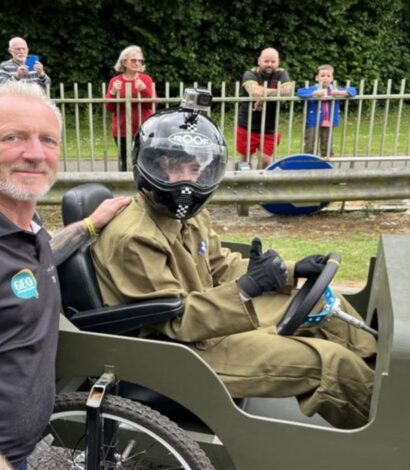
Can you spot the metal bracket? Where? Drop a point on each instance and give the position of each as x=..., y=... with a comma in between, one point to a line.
x=93, y=424
x=242, y=209
x=242, y=166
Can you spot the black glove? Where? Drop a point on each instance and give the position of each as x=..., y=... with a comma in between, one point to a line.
x=266, y=271
x=311, y=266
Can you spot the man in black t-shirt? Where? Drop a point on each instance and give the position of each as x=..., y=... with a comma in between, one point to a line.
x=30, y=137
x=269, y=72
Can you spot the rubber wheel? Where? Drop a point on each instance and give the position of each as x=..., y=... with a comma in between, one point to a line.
x=139, y=438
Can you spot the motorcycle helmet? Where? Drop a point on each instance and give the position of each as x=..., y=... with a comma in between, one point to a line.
x=179, y=159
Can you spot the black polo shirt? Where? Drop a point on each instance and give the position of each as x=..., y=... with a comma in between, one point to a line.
x=29, y=314
x=255, y=75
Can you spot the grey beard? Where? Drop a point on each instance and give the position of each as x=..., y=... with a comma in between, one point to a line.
x=11, y=191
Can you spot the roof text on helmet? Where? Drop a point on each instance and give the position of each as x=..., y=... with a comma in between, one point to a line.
x=194, y=140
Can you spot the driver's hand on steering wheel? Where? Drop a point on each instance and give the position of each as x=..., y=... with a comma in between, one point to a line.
x=311, y=266
x=266, y=272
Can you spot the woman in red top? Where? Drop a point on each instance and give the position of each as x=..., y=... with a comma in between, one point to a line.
x=130, y=64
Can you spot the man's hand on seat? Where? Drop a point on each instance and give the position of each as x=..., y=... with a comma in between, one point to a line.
x=107, y=210
x=266, y=271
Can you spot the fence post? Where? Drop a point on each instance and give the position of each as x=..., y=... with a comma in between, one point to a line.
x=77, y=125
x=91, y=125
x=263, y=124
x=63, y=116
x=235, y=120
x=345, y=121
x=385, y=117
x=372, y=115
x=104, y=127
x=223, y=95
x=290, y=122
x=128, y=122
x=399, y=114
x=359, y=119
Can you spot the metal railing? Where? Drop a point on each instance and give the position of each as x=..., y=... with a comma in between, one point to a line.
x=373, y=124
x=258, y=186
x=372, y=145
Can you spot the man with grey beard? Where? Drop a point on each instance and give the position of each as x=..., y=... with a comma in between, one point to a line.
x=30, y=137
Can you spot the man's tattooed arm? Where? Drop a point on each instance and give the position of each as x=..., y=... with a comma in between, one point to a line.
x=68, y=240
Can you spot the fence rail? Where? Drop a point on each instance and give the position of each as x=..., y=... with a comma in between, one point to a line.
x=372, y=124
x=372, y=145
x=256, y=187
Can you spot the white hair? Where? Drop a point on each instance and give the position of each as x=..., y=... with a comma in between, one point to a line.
x=126, y=54
x=31, y=91
x=13, y=40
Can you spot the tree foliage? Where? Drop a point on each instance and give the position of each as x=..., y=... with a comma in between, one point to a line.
x=205, y=40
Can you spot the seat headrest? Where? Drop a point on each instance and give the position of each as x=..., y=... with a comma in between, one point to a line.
x=82, y=200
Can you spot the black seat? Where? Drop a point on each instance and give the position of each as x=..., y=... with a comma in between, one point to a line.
x=81, y=296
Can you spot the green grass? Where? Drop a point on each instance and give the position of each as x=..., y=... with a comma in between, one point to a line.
x=355, y=250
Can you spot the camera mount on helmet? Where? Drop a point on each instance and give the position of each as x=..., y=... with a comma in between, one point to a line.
x=197, y=99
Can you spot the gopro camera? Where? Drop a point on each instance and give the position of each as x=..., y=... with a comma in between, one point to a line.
x=199, y=99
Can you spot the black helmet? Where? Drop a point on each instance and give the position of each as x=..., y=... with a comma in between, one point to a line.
x=179, y=159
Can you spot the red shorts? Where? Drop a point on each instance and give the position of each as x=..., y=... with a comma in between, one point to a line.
x=270, y=140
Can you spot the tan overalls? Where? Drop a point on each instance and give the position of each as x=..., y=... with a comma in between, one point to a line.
x=142, y=255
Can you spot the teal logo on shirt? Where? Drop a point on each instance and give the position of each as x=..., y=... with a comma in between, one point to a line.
x=24, y=285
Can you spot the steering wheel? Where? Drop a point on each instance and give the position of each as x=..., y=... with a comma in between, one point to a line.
x=307, y=297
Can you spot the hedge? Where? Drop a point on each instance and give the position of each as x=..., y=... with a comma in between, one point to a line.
x=206, y=40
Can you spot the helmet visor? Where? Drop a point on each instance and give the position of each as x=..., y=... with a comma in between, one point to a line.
x=184, y=158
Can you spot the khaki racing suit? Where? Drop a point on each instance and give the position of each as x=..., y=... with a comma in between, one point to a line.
x=142, y=254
